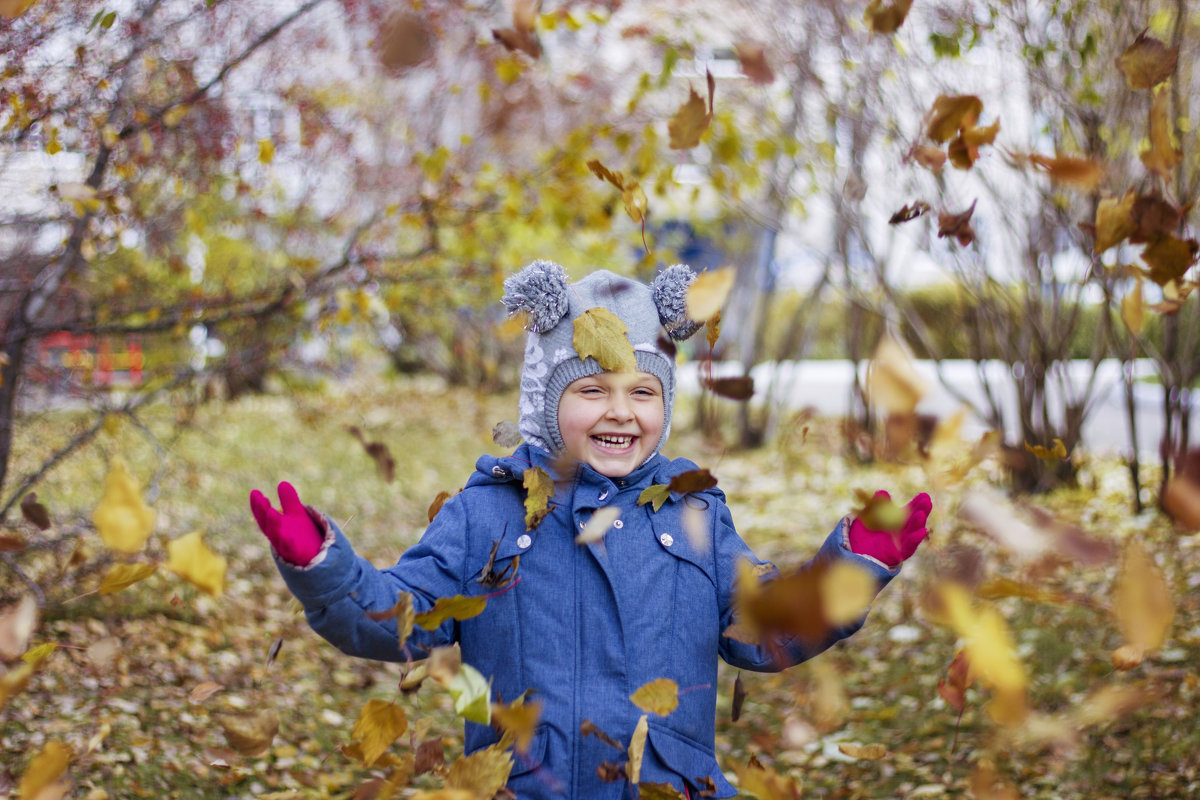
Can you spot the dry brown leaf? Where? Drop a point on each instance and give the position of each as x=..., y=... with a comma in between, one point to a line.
x=691, y=121
x=250, y=734
x=1169, y=258
x=637, y=749
x=931, y=158
x=204, y=690
x=957, y=225
x=733, y=388
x=753, y=59
x=1147, y=62
x=886, y=17
x=17, y=624
x=1081, y=173
x=951, y=113
x=34, y=511
x=405, y=40
x=909, y=212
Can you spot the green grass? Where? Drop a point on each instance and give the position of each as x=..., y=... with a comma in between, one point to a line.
x=197, y=468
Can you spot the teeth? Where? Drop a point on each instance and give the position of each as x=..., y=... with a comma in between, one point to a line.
x=614, y=441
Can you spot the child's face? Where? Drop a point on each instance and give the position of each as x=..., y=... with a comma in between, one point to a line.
x=612, y=421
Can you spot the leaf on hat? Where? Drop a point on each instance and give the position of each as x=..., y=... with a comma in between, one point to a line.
x=122, y=518
x=122, y=576
x=659, y=696
x=539, y=488
x=600, y=334
x=708, y=293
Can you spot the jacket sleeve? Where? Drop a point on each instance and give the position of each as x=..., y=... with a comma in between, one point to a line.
x=776, y=652
x=340, y=589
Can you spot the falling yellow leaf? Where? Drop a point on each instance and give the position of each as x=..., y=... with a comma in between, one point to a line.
x=1133, y=309
x=266, y=151
x=404, y=615
x=204, y=690
x=1082, y=173
x=894, y=385
x=708, y=293
x=598, y=525
x=600, y=334
x=660, y=696
x=520, y=719
x=1162, y=156
x=539, y=488
x=43, y=772
x=990, y=651
x=764, y=784
x=122, y=576
x=14, y=681
x=637, y=749
x=1142, y=604
x=11, y=9
x=1056, y=453
x=379, y=724
x=122, y=518
x=472, y=694
x=1114, y=221
x=870, y=752
x=36, y=655
x=483, y=773
x=846, y=593
x=250, y=734
x=712, y=330
x=189, y=558
x=456, y=607
x=17, y=624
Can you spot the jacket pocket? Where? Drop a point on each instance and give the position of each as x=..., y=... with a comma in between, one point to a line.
x=671, y=758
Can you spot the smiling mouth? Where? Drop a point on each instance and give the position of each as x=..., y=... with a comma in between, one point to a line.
x=614, y=442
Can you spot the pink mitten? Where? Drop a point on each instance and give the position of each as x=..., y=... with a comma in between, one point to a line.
x=293, y=533
x=892, y=547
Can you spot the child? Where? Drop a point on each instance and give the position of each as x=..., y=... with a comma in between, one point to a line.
x=579, y=627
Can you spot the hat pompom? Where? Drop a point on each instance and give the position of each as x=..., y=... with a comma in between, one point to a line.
x=669, y=291
x=540, y=290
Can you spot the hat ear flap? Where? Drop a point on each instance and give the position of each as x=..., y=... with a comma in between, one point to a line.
x=669, y=292
x=541, y=291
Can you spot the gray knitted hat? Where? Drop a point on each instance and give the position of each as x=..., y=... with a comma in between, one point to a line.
x=551, y=363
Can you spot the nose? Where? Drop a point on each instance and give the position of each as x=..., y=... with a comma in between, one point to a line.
x=619, y=409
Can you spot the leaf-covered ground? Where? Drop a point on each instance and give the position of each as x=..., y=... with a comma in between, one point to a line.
x=142, y=679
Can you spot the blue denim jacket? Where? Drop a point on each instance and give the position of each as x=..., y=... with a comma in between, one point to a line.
x=584, y=626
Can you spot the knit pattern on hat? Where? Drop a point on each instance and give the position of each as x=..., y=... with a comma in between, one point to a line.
x=551, y=363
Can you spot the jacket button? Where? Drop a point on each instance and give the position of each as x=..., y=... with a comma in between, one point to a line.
x=499, y=471
x=618, y=523
x=603, y=495
x=524, y=541
x=667, y=540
